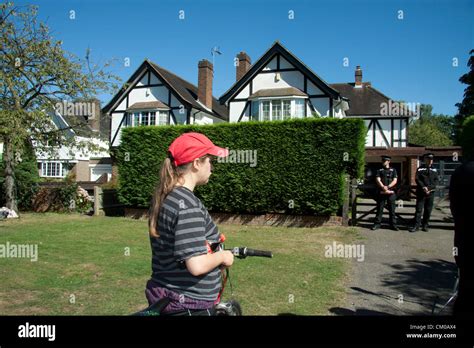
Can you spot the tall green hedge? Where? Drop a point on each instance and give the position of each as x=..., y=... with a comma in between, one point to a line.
x=300, y=164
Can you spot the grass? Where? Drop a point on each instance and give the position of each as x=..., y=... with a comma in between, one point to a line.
x=84, y=267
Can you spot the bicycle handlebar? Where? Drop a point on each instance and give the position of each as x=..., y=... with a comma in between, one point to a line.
x=243, y=252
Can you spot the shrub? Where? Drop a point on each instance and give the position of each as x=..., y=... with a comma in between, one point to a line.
x=300, y=164
x=64, y=196
x=26, y=179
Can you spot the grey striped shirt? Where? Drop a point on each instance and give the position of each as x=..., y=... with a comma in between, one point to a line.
x=184, y=225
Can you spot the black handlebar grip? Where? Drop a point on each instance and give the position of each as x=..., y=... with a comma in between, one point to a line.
x=261, y=253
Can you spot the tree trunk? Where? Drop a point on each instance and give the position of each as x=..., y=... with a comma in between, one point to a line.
x=9, y=184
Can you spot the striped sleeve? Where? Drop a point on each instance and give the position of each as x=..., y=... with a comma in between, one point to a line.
x=190, y=234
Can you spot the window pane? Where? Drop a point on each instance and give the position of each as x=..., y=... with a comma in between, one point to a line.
x=136, y=119
x=299, y=107
x=286, y=109
x=152, y=118
x=254, y=112
x=163, y=118
x=265, y=111
x=276, y=110
x=48, y=169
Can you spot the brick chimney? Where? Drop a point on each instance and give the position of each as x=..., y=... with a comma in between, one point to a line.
x=95, y=117
x=243, y=65
x=205, y=76
x=358, y=77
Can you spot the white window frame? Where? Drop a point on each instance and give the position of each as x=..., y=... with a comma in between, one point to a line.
x=159, y=113
x=101, y=166
x=60, y=169
x=271, y=101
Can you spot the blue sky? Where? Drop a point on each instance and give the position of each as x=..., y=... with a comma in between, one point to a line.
x=408, y=59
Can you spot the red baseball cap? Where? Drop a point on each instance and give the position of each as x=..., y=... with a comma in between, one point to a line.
x=189, y=146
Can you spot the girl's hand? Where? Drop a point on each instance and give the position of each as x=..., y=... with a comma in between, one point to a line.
x=227, y=258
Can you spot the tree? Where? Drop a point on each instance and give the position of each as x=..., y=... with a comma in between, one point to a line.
x=36, y=73
x=467, y=138
x=432, y=129
x=466, y=107
x=428, y=134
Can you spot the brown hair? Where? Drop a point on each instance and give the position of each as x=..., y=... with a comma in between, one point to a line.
x=170, y=175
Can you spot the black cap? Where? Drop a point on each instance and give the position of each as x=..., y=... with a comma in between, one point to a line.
x=386, y=158
x=428, y=155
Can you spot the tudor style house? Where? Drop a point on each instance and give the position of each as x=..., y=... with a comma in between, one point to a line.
x=156, y=96
x=278, y=86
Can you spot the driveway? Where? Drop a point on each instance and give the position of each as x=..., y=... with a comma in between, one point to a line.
x=403, y=273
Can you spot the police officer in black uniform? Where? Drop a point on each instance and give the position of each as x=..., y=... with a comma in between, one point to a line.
x=386, y=179
x=426, y=181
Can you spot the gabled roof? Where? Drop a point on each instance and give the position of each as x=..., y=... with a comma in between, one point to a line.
x=363, y=101
x=186, y=92
x=189, y=92
x=277, y=48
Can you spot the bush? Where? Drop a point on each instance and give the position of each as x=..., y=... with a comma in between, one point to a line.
x=26, y=179
x=300, y=164
x=64, y=196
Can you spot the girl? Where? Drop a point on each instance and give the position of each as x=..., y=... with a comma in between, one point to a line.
x=180, y=228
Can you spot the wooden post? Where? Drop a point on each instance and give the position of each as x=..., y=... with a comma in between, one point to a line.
x=98, y=201
x=345, y=205
x=354, y=202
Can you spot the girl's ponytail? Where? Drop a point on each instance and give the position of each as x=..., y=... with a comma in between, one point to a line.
x=168, y=179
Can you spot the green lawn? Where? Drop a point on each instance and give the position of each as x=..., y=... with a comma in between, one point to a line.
x=84, y=258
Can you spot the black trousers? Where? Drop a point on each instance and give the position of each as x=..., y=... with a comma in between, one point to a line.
x=381, y=200
x=424, y=205
x=464, y=304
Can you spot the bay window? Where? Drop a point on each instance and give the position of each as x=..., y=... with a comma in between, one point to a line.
x=277, y=109
x=147, y=118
